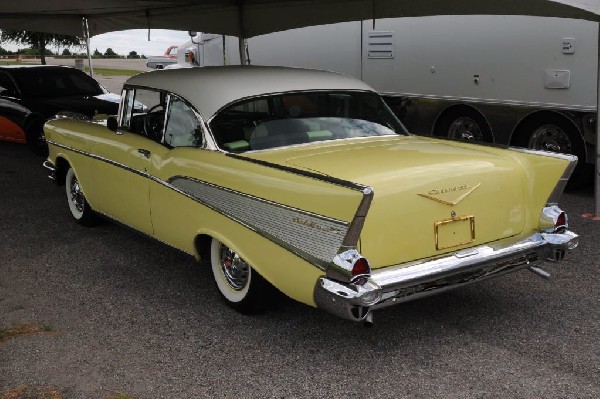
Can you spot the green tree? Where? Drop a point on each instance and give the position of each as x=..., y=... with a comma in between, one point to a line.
x=133, y=54
x=97, y=53
x=109, y=53
x=39, y=40
x=4, y=51
x=66, y=52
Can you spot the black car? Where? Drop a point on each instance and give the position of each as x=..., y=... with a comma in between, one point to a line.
x=32, y=94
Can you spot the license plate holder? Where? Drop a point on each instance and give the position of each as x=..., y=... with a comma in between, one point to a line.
x=454, y=232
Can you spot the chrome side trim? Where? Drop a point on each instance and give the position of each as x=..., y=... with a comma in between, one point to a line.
x=353, y=233
x=564, y=179
x=412, y=280
x=318, y=252
x=313, y=237
x=106, y=160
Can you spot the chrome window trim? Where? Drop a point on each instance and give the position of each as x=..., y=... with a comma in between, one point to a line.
x=217, y=148
x=208, y=141
x=278, y=93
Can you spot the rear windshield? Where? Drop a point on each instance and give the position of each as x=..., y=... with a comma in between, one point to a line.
x=55, y=82
x=298, y=118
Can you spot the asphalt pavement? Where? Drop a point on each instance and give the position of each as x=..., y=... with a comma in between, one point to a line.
x=123, y=316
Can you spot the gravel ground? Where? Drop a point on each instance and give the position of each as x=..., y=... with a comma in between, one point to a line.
x=121, y=315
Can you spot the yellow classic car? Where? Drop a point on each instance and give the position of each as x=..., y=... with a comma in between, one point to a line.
x=305, y=180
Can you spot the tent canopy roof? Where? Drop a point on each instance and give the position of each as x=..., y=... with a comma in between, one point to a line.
x=249, y=18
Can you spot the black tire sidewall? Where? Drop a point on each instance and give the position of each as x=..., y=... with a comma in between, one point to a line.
x=442, y=126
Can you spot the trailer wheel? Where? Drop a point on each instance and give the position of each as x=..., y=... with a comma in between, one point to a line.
x=555, y=133
x=463, y=123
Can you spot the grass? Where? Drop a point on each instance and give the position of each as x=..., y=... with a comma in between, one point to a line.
x=22, y=329
x=27, y=392
x=113, y=72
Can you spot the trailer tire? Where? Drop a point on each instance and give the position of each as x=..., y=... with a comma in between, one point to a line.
x=463, y=123
x=555, y=133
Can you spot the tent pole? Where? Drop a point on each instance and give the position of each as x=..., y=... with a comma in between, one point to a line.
x=242, y=37
x=243, y=54
x=597, y=162
x=86, y=34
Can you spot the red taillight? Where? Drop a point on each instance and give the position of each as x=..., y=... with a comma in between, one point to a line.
x=561, y=221
x=361, y=271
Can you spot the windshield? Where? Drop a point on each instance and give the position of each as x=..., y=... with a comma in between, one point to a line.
x=56, y=82
x=297, y=118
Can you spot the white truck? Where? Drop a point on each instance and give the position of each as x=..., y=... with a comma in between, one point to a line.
x=526, y=81
x=161, y=61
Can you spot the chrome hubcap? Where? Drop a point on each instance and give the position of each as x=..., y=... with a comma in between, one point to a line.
x=76, y=194
x=465, y=128
x=550, y=138
x=234, y=268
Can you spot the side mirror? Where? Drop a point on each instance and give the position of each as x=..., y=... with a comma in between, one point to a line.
x=112, y=123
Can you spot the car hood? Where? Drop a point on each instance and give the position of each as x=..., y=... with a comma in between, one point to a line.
x=88, y=105
x=430, y=196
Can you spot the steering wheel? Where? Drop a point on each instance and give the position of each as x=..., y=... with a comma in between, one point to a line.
x=153, y=122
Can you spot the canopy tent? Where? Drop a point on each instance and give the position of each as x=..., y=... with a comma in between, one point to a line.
x=247, y=18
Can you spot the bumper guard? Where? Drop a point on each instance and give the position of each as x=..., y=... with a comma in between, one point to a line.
x=400, y=283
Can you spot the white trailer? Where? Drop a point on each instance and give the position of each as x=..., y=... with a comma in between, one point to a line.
x=527, y=81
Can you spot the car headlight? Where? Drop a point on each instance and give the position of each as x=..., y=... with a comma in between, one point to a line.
x=70, y=115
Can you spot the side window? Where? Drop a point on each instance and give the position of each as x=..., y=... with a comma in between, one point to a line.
x=144, y=112
x=183, y=129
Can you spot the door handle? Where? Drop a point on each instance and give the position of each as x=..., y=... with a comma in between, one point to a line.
x=145, y=153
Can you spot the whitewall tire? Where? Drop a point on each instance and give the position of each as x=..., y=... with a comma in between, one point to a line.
x=240, y=286
x=78, y=205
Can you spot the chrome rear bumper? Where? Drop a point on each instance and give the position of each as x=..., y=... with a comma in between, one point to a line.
x=405, y=282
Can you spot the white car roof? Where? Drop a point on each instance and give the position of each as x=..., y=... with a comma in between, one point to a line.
x=211, y=88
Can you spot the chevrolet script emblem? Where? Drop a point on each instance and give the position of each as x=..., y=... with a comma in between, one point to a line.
x=447, y=196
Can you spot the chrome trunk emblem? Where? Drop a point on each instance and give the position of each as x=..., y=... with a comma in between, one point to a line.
x=445, y=195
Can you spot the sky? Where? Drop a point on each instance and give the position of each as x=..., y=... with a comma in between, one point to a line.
x=122, y=42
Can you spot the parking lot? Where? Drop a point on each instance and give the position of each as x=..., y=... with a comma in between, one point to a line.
x=121, y=315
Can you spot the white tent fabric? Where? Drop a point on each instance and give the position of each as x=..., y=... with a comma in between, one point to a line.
x=247, y=18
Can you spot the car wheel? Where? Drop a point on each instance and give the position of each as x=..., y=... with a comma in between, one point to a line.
x=464, y=124
x=34, y=136
x=242, y=288
x=81, y=211
x=556, y=134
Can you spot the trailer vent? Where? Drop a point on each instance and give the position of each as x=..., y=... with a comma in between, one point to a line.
x=380, y=45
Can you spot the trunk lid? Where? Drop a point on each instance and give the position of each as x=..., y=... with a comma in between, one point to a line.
x=430, y=196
